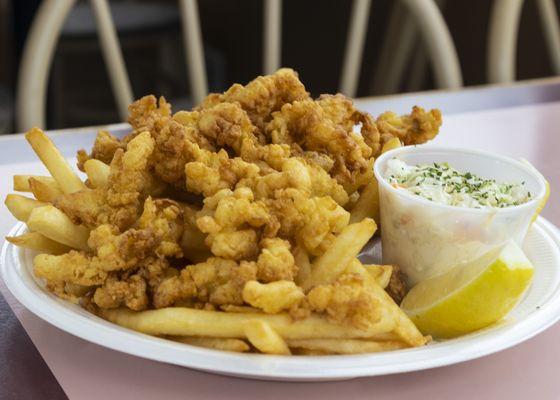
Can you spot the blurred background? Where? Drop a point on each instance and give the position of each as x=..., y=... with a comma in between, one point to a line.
x=313, y=41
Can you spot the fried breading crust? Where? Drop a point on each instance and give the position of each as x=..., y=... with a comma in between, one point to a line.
x=262, y=96
x=267, y=170
x=104, y=149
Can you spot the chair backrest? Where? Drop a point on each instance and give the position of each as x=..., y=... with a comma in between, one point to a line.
x=402, y=57
x=426, y=16
x=502, y=37
x=48, y=23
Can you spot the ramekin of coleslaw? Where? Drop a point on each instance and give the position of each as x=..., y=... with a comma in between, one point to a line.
x=443, y=207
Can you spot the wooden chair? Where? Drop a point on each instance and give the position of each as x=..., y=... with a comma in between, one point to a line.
x=401, y=45
x=425, y=15
x=45, y=31
x=502, y=37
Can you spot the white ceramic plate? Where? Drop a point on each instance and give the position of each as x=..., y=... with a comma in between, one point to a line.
x=539, y=309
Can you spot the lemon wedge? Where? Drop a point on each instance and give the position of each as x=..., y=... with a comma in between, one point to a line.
x=471, y=296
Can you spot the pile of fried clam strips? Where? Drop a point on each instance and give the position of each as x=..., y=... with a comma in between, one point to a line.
x=234, y=226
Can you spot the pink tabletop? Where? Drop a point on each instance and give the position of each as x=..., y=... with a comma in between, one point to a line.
x=530, y=370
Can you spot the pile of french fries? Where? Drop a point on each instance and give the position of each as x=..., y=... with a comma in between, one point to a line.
x=259, y=325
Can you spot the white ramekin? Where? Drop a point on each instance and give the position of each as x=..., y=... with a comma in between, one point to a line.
x=426, y=239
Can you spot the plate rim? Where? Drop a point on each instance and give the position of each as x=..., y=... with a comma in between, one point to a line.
x=267, y=367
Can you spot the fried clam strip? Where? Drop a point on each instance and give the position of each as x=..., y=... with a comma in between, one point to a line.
x=415, y=128
x=171, y=154
x=262, y=96
x=347, y=301
x=143, y=116
x=291, y=213
x=306, y=126
x=74, y=266
x=220, y=281
x=300, y=174
x=228, y=127
x=183, y=138
x=270, y=174
x=126, y=291
x=341, y=111
x=104, y=149
x=157, y=235
x=182, y=321
x=129, y=183
x=321, y=131
x=132, y=289
x=211, y=172
x=146, y=112
x=216, y=281
x=242, y=154
x=224, y=125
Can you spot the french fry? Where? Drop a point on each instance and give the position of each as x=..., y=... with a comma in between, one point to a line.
x=55, y=225
x=21, y=206
x=345, y=247
x=38, y=242
x=21, y=182
x=57, y=165
x=272, y=297
x=239, y=309
x=346, y=346
x=97, y=173
x=367, y=205
x=261, y=335
x=304, y=265
x=405, y=328
x=391, y=144
x=181, y=321
x=44, y=191
x=224, y=344
x=217, y=305
x=381, y=273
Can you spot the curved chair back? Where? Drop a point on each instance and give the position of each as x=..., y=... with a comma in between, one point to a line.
x=502, y=37
x=48, y=23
